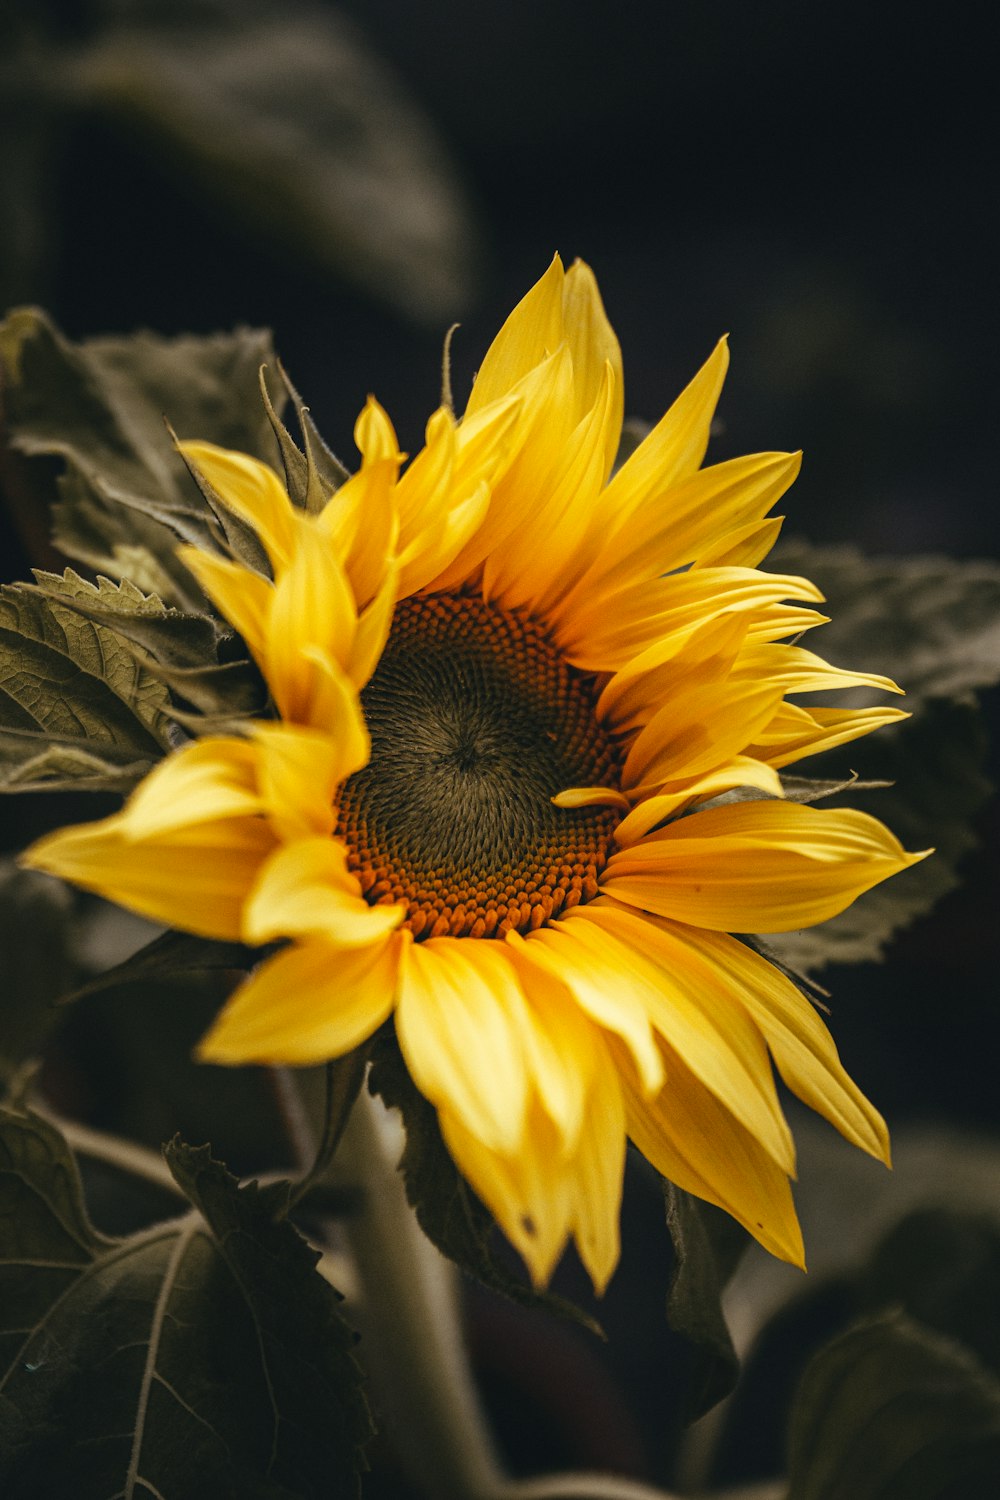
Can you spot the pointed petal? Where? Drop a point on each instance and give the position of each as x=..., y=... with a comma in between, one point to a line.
x=313, y=614
x=243, y=597
x=693, y=1140
x=668, y=611
x=698, y=730
x=802, y=1047
x=562, y=1046
x=715, y=1039
x=597, y=1175
x=676, y=446
x=674, y=526
x=756, y=866
x=460, y=1019
x=745, y=547
x=528, y=1193
x=796, y=732
x=593, y=345
x=611, y=999
x=533, y=330
x=306, y=1005
x=196, y=877
x=205, y=781
x=251, y=490
x=523, y=573
x=740, y=771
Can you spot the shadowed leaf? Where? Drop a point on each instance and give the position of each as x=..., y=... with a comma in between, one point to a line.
x=891, y=1411
x=707, y=1246
x=201, y=1358
x=126, y=495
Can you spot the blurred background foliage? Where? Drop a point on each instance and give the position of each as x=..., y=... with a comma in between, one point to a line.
x=357, y=176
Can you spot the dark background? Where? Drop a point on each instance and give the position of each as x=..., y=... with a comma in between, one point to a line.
x=813, y=179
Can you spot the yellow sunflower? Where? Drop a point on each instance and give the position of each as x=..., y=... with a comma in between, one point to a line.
x=509, y=691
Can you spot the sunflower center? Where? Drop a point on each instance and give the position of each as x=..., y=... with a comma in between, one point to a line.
x=476, y=722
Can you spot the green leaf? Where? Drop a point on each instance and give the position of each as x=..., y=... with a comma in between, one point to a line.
x=202, y=1359
x=935, y=764
x=891, y=1411
x=290, y=122
x=449, y=1213
x=931, y=623
x=707, y=1247
x=126, y=495
x=181, y=650
x=72, y=697
x=37, y=964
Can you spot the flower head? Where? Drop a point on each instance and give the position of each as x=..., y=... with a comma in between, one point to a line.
x=510, y=689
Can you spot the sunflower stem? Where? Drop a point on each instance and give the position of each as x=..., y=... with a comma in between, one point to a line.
x=411, y=1331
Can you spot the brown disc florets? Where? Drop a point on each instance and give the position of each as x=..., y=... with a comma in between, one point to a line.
x=476, y=721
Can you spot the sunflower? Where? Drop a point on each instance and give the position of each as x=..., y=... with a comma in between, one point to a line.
x=512, y=689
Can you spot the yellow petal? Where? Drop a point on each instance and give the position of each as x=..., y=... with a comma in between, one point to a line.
x=207, y=780
x=756, y=866
x=745, y=547
x=313, y=614
x=243, y=597
x=676, y=445
x=632, y=695
x=715, y=1039
x=801, y=671
x=562, y=1046
x=460, y=1020
x=667, y=612
x=533, y=331
x=299, y=771
x=251, y=490
x=695, y=731
x=605, y=995
x=534, y=452
x=693, y=1140
x=306, y=1005
x=678, y=796
x=521, y=573
x=196, y=877
x=672, y=527
x=305, y=890
x=593, y=346
x=597, y=1174
x=528, y=1193
x=796, y=732
x=802, y=1047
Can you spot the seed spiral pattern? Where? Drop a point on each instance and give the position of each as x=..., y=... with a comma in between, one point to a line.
x=476, y=721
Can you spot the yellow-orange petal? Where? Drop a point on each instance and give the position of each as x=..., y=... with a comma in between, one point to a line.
x=719, y=1044
x=596, y=1174
x=533, y=331
x=305, y=891
x=251, y=490
x=676, y=797
x=802, y=1047
x=756, y=866
x=307, y=1004
x=460, y=1018
x=196, y=877
x=244, y=597
x=693, y=1140
x=676, y=445
x=528, y=1192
